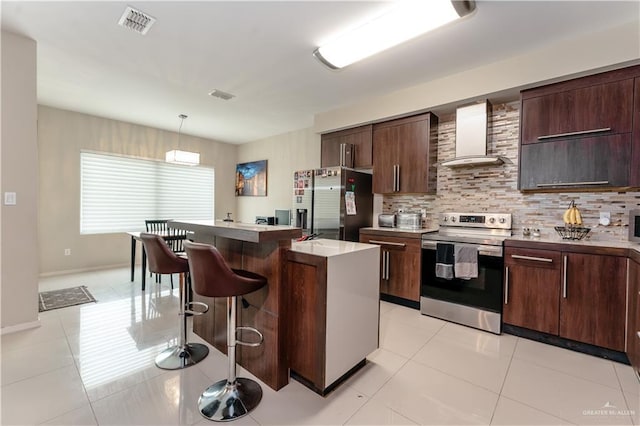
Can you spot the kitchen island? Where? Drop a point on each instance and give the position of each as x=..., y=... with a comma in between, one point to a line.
x=332, y=292
x=261, y=249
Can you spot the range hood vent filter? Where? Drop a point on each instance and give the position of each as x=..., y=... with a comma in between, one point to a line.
x=471, y=137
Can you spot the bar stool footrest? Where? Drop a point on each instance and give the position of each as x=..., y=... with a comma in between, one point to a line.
x=251, y=344
x=191, y=312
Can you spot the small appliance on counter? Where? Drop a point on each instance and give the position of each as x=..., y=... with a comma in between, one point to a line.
x=409, y=220
x=386, y=220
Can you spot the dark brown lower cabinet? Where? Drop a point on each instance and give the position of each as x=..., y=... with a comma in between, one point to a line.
x=532, y=289
x=399, y=264
x=577, y=296
x=633, y=327
x=592, y=304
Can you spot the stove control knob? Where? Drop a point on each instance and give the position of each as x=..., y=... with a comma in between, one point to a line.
x=445, y=219
x=502, y=220
x=492, y=219
x=453, y=218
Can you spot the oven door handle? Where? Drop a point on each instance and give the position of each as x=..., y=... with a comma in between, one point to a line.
x=494, y=251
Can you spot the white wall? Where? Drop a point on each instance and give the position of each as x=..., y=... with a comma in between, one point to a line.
x=19, y=160
x=61, y=136
x=601, y=50
x=285, y=153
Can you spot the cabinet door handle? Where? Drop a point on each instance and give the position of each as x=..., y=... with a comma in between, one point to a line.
x=388, y=243
x=578, y=133
x=638, y=333
x=398, y=178
x=388, y=265
x=535, y=259
x=342, y=155
x=395, y=178
x=506, y=285
x=586, y=183
x=564, y=277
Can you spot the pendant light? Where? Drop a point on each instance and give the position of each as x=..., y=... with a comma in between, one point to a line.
x=176, y=156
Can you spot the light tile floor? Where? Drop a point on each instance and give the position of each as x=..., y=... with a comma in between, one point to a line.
x=94, y=364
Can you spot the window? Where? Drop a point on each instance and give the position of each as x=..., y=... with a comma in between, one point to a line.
x=117, y=194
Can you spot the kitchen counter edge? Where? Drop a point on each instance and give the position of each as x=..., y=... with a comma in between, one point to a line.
x=397, y=232
x=619, y=248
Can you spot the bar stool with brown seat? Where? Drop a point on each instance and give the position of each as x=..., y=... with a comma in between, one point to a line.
x=232, y=397
x=162, y=260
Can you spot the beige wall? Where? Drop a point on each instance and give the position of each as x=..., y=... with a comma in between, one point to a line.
x=19, y=160
x=285, y=153
x=592, y=51
x=61, y=136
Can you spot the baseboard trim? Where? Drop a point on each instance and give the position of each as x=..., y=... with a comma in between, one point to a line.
x=400, y=301
x=20, y=327
x=80, y=270
x=561, y=342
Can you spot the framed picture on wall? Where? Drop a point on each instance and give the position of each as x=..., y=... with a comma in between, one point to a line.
x=251, y=179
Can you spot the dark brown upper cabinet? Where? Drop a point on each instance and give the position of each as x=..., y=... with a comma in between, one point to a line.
x=581, y=135
x=335, y=148
x=405, y=154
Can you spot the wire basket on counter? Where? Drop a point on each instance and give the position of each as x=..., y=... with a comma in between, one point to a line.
x=572, y=232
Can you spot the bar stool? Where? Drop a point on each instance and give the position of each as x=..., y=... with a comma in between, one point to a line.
x=164, y=261
x=233, y=397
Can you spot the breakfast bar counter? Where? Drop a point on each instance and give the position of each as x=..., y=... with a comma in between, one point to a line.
x=261, y=249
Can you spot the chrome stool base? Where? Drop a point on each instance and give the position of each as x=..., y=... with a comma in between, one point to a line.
x=224, y=401
x=177, y=357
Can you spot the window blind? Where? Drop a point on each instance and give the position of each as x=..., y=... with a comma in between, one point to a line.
x=117, y=194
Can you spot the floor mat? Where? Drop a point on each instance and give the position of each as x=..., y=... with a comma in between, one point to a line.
x=56, y=299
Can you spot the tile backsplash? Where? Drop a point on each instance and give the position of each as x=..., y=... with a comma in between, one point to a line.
x=495, y=188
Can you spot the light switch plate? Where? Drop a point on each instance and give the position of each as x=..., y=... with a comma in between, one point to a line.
x=9, y=198
x=605, y=218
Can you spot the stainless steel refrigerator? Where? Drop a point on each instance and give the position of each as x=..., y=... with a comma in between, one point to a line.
x=332, y=202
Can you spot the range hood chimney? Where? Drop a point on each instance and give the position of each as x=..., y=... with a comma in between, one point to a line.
x=471, y=137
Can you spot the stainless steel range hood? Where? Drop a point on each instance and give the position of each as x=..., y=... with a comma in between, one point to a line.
x=471, y=137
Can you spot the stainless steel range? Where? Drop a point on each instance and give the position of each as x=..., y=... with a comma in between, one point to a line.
x=476, y=301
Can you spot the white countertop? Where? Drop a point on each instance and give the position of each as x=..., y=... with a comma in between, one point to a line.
x=328, y=248
x=592, y=242
x=237, y=225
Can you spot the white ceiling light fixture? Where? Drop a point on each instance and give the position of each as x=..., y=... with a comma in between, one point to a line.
x=136, y=20
x=407, y=20
x=217, y=93
x=176, y=156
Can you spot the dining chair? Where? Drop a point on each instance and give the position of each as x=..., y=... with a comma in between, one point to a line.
x=157, y=226
x=172, y=236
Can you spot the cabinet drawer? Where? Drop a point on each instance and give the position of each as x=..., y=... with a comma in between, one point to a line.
x=601, y=108
x=598, y=162
x=532, y=257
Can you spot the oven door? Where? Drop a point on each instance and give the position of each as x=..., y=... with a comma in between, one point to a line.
x=483, y=292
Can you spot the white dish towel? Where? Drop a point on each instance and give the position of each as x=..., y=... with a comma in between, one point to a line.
x=466, y=261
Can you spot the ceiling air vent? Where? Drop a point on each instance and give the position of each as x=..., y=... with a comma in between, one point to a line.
x=220, y=94
x=135, y=20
